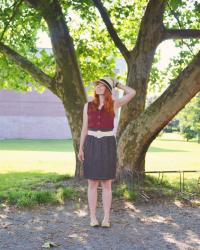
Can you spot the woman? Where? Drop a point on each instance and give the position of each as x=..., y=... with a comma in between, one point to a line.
x=98, y=143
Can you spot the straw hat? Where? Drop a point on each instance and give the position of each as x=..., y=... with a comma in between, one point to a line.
x=107, y=81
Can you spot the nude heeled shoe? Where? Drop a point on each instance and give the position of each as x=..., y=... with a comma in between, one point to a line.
x=94, y=223
x=106, y=224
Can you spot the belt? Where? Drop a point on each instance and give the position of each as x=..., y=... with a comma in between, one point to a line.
x=100, y=133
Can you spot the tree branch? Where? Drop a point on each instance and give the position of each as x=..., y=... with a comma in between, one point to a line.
x=145, y=128
x=181, y=33
x=180, y=25
x=140, y=63
x=175, y=97
x=25, y=64
x=124, y=51
x=152, y=28
x=62, y=42
x=15, y=6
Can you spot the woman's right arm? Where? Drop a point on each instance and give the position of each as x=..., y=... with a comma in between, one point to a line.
x=84, y=127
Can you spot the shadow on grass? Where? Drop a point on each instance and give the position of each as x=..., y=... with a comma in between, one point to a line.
x=27, y=189
x=155, y=189
x=33, y=188
x=37, y=145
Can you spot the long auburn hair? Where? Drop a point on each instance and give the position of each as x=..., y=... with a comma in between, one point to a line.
x=108, y=101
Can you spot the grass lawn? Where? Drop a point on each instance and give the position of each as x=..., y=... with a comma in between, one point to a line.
x=27, y=165
x=41, y=156
x=172, y=152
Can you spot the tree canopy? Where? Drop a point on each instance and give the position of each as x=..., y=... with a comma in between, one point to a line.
x=95, y=50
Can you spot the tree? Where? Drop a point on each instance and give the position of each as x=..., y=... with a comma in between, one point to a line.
x=63, y=73
x=189, y=119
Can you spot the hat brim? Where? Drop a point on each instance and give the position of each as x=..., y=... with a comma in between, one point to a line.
x=95, y=82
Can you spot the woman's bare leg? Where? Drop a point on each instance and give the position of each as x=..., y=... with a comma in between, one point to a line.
x=107, y=198
x=92, y=198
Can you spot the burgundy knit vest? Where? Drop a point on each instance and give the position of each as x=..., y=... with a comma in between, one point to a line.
x=100, y=119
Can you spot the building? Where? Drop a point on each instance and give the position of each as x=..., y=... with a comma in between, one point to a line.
x=31, y=115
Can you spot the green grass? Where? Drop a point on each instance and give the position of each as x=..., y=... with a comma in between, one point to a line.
x=31, y=198
x=32, y=188
x=172, y=152
x=33, y=171
x=43, y=156
x=122, y=191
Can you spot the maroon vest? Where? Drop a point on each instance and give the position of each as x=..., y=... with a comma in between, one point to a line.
x=100, y=119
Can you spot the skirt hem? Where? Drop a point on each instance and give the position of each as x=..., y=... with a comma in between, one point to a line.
x=97, y=178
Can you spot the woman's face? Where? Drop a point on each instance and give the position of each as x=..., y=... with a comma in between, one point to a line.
x=100, y=88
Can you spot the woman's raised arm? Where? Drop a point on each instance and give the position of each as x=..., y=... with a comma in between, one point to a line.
x=130, y=93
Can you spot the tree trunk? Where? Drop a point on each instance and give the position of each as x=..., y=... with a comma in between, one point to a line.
x=68, y=81
x=140, y=132
x=139, y=65
x=75, y=123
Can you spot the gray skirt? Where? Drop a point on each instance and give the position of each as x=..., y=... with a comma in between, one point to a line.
x=99, y=157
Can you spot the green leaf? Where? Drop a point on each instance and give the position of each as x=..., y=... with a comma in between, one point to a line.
x=175, y=3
